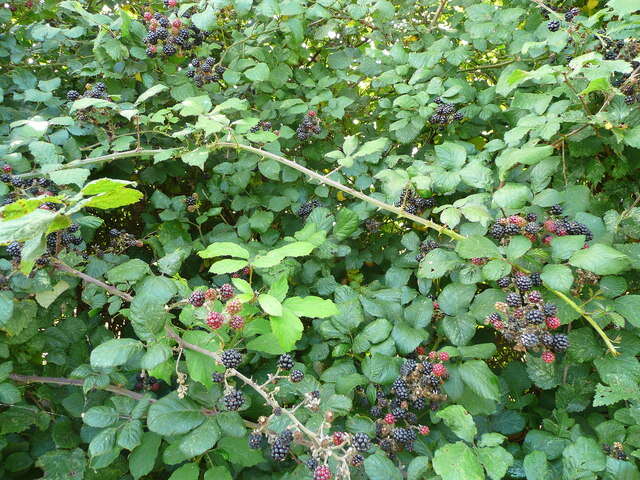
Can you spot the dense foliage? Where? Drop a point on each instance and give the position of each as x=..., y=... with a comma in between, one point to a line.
x=337, y=239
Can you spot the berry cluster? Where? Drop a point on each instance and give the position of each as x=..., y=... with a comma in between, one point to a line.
x=412, y=203
x=204, y=70
x=309, y=126
x=144, y=382
x=233, y=400
x=121, y=240
x=526, y=321
x=171, y=35
x=265, y=125
x=230, y=311
x=529, y=226
x=99, y=90
x=191, y=202
x=628, y=89
x=27, y=188
x=426, y=247
x=57, y=241
x=418, y=386
x=616, y=451
x=445, y=113
x=307, y=207
x=623, y=49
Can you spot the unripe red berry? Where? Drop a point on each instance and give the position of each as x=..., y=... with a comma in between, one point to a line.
x=436, y=306
x=148, y=16
x=172, y=3
x=322, y=472
x=424, y=430
x=547, y=239
x=154, y=387
x=311, y=113
x=444, y=356
x=211, y=294
x=177, y=23
x=498, y=325
x=420, y=350
x=233, y=306
x=550, y=226
x=236, y=322
x=6, y=168
x=548, y=357
x=215, y=320
x=389, y=419
x=553, y=322
x=439, y=370
x=433, y=355
x=338, y=438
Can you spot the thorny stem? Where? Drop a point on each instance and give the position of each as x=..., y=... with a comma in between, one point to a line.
x=89, y=279
x=436, y=17
x=77, y=383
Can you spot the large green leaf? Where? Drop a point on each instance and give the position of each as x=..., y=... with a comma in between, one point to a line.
x=459, y=421
x=600, y=259
x=113, y=353
x=174, y=416
x=456, y=461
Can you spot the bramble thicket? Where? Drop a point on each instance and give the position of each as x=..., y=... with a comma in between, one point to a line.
x=332, y=239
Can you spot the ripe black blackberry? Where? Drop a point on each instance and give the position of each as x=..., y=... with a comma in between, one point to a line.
x=164, y=22
x=407, y=367
x=311, y=463
x=511, y=229
x=234, y=400
x=438, y=100
x=536, y=279
x=14, y=249
x=220, y=69
x=513, y=299
x=531, y=217
x=315, y=394
x=523, y=282
x=560, y=342
x=427, y=367
x=357, y=460
x=255, y=440
x=458, y=116
x=285, y=362
x=197, y=298
x=529, y=340
x=168, y=50
x=532, y=227
x=73, y=95
x=361, y=442
x=307, y=208
x=376, y=412
x=546, y=339
x=151, y=38
x=497, y=231
x=438, y=119
x=231, y=358
x=504, y=282
x=279, y=450
x=424, y=203
x=610, y=55
x=553, y=25
x=217, y=377
x=5, y=178
x=549, y=309
x=162, y=33
x=447, y=109
x=296, y=376
x=534, y=317
x=398, y=412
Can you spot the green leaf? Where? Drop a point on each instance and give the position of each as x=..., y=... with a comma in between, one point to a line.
x=536, y=466
x=623, y=7
x=381, y=368
x=459, y=421
x=227, y=266
x=224, y=249
x=217, y=473
x=479, y=378
x=270, y=304
x=517, y=247
x=130, y=271
x=379, y=467
x=558, y=277
x=130, y=435
x=113, y=353
x=564, y=247
x=456, y=461
x=196, y=157
x=312, y=307
x=274, y=257
x=201, y=366
x=451, y=155
x=629, y=307
x=258, y=73
x=151, y=92
x=143, y=458
x=600, y=259
x=238, y=452
x=513, y=196
x=583, y=457
x=346, y=223
x=287, y=329
x=201, y=439
x=62, y=464
x=418, y=467
x=188, y=471
x=477, y=246
x=100, y=417
x=77, y=176
x=114, y=198
x=496, y=461
x=173, y=416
